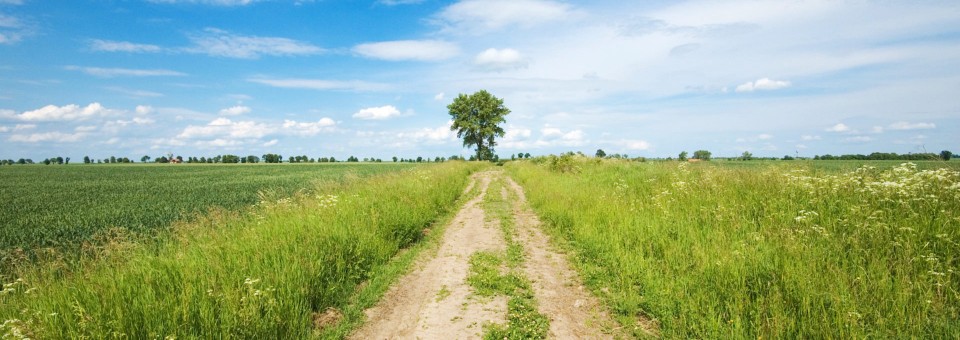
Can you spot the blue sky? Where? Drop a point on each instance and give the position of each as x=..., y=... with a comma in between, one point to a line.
x=373, y=78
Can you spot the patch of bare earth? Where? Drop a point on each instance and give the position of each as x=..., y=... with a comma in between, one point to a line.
x=434, y=301
x=573, y=311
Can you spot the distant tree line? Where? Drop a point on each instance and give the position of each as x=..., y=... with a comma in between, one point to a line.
x=884, y=156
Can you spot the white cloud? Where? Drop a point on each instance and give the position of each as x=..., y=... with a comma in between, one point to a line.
x=308, y=128
x=4, y=128
x=48, y=137
x=65, y=113
x=439, y=96
x=220, y=43
x=877, y=129
x=840, y=127
x=810, y=137
x=911, y=126
x=234, y=111
x=225, y=132
x=134, y=121
x=21, y=127
x=764, y=136
x=437, y=135
x=85, y=128
x=493, y=59
x=223, y=127
x=122, y=46
x=377, y=113
x=481, y=16
x=272, y=142
x=418, y=50
x=551, y=136
x=321, y=84
x=125, y=72
x=144, y=110
x=762, y=84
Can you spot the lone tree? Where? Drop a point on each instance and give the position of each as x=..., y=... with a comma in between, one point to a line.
x=600, y=153
x=477, y=118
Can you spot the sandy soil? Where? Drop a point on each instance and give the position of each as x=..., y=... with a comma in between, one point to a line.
x=434, y=301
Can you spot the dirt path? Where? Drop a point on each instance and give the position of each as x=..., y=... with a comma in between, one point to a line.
x=434, y=301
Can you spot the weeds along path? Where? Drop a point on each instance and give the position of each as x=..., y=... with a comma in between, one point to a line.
x=494, y=274
x=434, y=301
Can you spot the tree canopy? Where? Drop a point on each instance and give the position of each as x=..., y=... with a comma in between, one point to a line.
x=477, y=118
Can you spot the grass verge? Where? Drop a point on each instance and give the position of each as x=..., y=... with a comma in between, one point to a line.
x=263, y=273
x=784, y=251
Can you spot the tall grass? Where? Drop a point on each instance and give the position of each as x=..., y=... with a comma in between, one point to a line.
x=48, y=209
x=777, y=251
x=262, y=273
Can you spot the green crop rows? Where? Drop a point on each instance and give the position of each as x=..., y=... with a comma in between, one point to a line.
x=62, y=206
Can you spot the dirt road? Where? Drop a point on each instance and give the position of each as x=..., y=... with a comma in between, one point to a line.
x=435, y=301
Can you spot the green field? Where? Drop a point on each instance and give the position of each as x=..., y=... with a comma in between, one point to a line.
x=720, y=249
x=265, y=272
x=63, y=206
x=761, y=249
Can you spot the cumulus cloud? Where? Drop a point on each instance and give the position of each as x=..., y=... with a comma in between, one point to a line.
x=840, y=127
x=308, y=128
x=134, y=121
x=125, y=72
x=482, y=16
x=911, y=126
x=224, y=127
x=224, y=132
x=417, y=50
x=493, y=59
x=65, y=113
x=122, y=46
x=219, y=43
x=439, y=96
x=320, y=84
x=47, y=137
x=762, y=84
x=235, y=111
x=810, y=137
x=551, y=136
x=270, y=143
x=144, y=110
x=4, y=128
x=377, y=113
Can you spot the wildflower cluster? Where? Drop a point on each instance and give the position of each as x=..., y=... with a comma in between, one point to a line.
x=327, y=201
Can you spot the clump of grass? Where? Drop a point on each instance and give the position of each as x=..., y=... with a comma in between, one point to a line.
x=262, y=273
x=770, y=251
